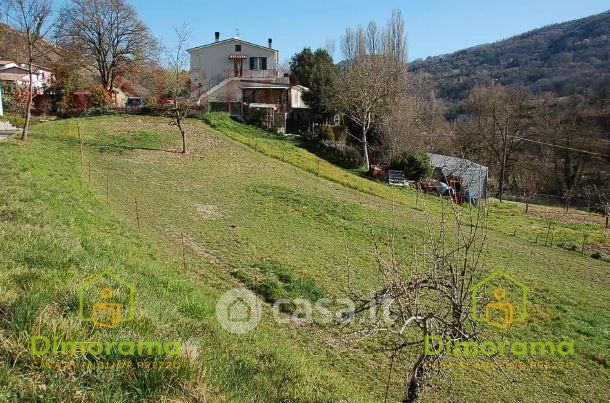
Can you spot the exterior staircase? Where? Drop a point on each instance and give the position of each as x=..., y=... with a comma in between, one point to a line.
x=213, y=84
x=6, y=130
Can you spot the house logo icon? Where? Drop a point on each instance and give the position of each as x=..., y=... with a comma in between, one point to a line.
x=499, y=300
x=239, y=311
x=106, y=300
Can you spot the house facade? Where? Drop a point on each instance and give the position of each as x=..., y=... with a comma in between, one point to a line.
x=218, y=68
x=242, y=78
x=11, y=71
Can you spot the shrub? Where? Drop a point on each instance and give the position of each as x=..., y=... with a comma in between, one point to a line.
x=571, y=246
x=340, y=134
x=327, y=133
x=342, y=155
x=151, y=101
x=598, y=255
x=270, y=289
x=16, y=121
x=98, y=97
x=415, y=164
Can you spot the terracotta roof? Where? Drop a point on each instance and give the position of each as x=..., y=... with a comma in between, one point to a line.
x=229, y=40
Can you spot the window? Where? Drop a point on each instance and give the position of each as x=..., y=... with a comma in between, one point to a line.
x=258, y=63
x=238, y=48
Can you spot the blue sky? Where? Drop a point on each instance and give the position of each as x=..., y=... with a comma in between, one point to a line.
x=433, y=26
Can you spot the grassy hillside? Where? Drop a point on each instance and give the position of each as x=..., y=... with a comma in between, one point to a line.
x=247, y=208
x=567, y=58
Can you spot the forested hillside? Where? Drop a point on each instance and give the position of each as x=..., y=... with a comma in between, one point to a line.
x=13, y=47
x=567, y=58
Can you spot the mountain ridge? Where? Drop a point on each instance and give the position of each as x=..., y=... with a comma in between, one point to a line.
x=567, y=58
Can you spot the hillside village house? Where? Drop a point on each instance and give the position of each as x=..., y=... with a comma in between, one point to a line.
x=243, y=78
x=11, y=71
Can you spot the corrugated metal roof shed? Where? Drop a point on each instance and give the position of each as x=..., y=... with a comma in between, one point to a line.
x=474, y=176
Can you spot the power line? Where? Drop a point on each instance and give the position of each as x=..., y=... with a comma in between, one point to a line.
x=524, y=139
x=560, y=146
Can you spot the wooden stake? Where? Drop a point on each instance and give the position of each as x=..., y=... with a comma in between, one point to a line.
x=80, y=141
x=183, y=254
x=584, y=242
x=137, y=214
x=547, y=233
x=89, y=172
x=107, y=192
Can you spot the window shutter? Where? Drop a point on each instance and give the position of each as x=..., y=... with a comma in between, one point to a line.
x=263, y=63
x=252, y=61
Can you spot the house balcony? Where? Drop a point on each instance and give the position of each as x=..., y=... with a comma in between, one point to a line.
x=251, y=74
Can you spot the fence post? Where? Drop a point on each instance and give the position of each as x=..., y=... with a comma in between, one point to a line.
x=107, y=193
x=548, y=230
x=137, y=214
x=89, y=172
x=80, y=141
x=584, y=242
x=183, y=253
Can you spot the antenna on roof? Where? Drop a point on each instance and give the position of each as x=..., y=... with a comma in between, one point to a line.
x=236, y=33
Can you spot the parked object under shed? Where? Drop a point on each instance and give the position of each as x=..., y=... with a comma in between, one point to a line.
x=467, y=178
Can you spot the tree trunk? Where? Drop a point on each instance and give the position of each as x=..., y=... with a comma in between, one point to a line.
x=26, y=126
x=503, y=168
x=527, y=206
x=183, y=141
x=414, y=385
x=365, y=148
x=501, y=184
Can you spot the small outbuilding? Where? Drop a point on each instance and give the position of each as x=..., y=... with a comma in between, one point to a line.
x=464, y=176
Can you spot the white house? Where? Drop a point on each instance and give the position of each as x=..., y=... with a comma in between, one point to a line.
x=11, y=71
x=243, y=79
x=219, y=68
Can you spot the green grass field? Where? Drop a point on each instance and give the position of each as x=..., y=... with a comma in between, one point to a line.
x=243, y=207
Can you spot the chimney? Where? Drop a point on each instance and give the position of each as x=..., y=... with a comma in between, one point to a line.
x=216, y=36
x=270, y=43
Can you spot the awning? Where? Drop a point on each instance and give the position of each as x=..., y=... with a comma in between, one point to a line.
x=262, y=106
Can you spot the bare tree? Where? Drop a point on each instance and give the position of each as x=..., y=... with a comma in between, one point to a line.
x=32, y=18
x=177, y=81
x=426, y=292
x=374, y=76
x=528, y=183
x=108, y=32
x=604, y=201
x=501, y=118
x=572, y=132
x=413, y=120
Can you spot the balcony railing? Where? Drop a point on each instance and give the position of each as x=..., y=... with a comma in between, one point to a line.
x=230, y=73
x=246, y=73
